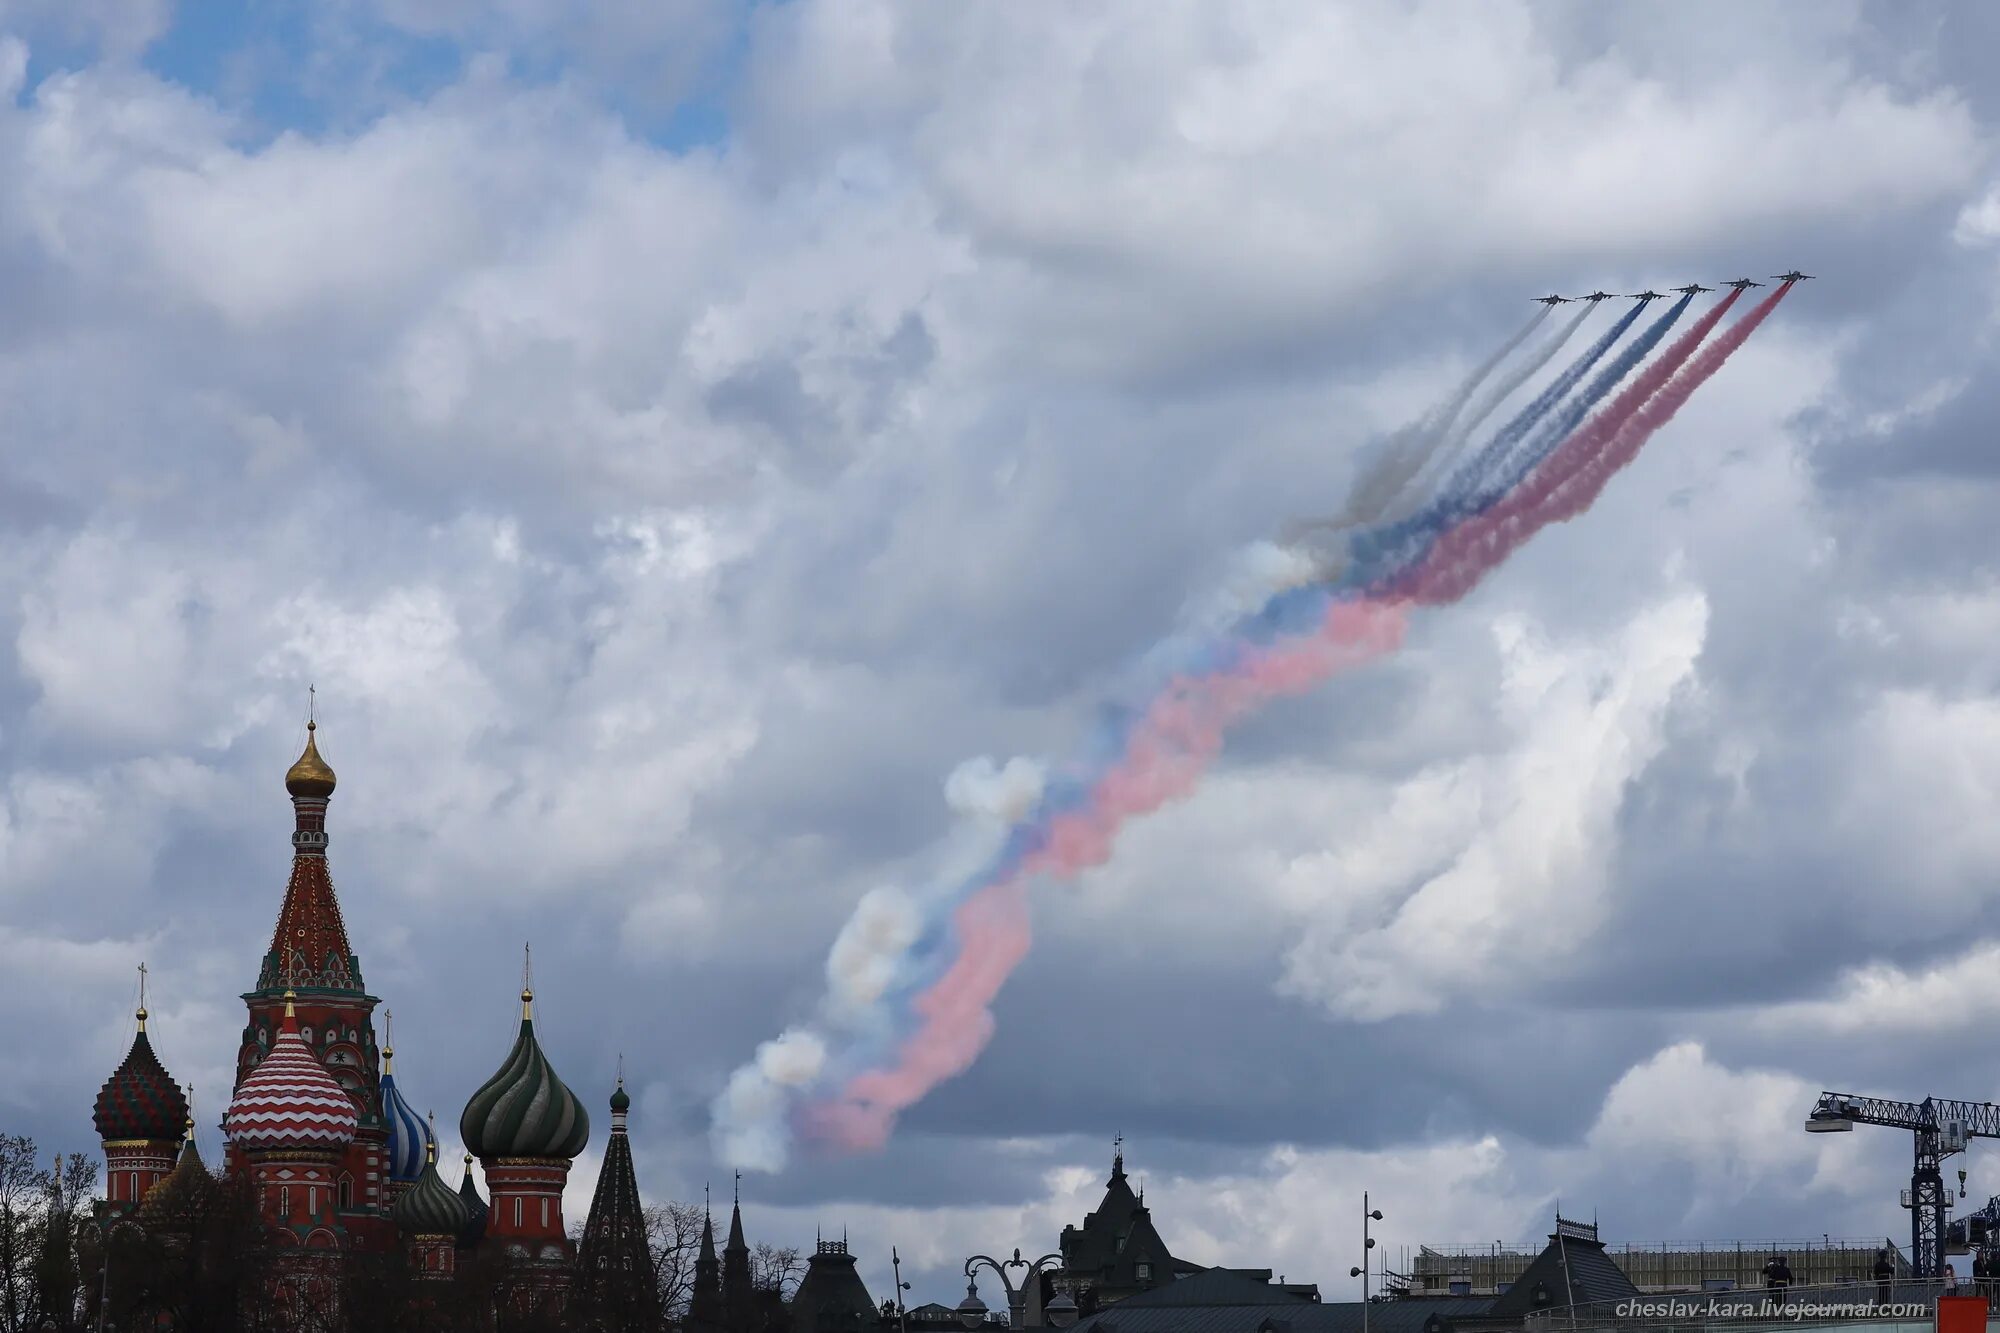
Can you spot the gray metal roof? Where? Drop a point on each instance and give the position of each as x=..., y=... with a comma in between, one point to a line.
x=1570, y=1270
x=1215, y=1286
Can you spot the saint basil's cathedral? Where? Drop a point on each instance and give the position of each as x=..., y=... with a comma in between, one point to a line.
x=336, y=1159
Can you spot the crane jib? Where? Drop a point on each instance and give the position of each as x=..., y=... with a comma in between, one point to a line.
x=1939, y=1127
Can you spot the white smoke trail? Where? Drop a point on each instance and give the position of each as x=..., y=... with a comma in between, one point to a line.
x=1399, y=462
x=1497, y=393
x=750, y=1124
x=750, y=1120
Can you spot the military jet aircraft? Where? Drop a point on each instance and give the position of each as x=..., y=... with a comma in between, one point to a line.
x=1692, y=288
x=1552, y=300
x=1597, y=296
x=1793, y=276
x=1647, y=296
x=1742, y=284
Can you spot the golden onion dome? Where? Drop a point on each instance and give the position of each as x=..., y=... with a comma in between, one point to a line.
x=311, y=775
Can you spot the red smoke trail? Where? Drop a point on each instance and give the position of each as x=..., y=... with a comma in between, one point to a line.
x=1570, y=480
x=1183, y=730
x=1180, y=734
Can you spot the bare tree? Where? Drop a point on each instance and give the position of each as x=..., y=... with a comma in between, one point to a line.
x=673, y=1236
x=69, y=1184
x=776, y=1268
x=23, y=1207
x=199, y=1268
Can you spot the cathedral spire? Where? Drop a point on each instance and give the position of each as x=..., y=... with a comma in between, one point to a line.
x=735, y=1244
x=614, y=1263
x=705, y=1312
x=737, y=1289
x=309, y=948
x=476, y=1211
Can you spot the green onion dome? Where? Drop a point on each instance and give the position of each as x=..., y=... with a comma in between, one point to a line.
x=524, y=1110
x=430, y=1207
x=139, y=1100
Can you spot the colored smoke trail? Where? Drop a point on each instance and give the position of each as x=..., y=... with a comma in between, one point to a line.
x=1513, y=450
x=1381, y=552
x=1490, y=458
x=1409, y=451
x=1503, y=471
x=911, y=979
x=1570, y=481
x=1446, y=416
x=1167, y=753
x=1520, y=373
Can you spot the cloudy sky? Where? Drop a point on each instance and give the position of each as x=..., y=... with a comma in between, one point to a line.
x=673, y=437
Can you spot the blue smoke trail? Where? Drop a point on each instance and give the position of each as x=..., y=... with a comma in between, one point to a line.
x=1503, y=387
x=1492, y=472
x=1544, y=402
x=1381, y=553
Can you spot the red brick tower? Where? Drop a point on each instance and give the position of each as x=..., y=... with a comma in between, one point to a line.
x=310, y=958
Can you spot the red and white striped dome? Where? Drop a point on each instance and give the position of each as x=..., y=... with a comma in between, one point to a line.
x=289, y=1100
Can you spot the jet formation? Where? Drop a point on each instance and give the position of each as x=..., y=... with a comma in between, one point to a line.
x=1740, y=284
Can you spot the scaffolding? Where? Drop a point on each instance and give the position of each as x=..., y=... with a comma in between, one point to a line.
x=1669, y=1266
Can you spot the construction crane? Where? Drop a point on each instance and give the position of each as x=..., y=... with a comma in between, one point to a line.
x=1940, y=1128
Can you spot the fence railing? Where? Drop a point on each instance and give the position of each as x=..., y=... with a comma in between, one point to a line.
x=1765, y=1246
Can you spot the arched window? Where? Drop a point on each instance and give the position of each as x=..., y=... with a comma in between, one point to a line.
x=346, y=1190
x=285, y=1200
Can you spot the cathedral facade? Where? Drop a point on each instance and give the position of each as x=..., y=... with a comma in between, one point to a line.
x=321, y=1142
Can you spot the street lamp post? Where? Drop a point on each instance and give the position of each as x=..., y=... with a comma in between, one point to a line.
x=1061, y=1311
x=1367, y=1244
x=902, y=1320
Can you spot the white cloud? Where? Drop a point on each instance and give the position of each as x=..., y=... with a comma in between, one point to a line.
x=1252, y=163
x=1979, y=221
x=1520, y=841
x=1940, y=756
x=122, y=28
x=1958, y=995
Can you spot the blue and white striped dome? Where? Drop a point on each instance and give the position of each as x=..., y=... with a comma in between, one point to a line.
x=409, y=1136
